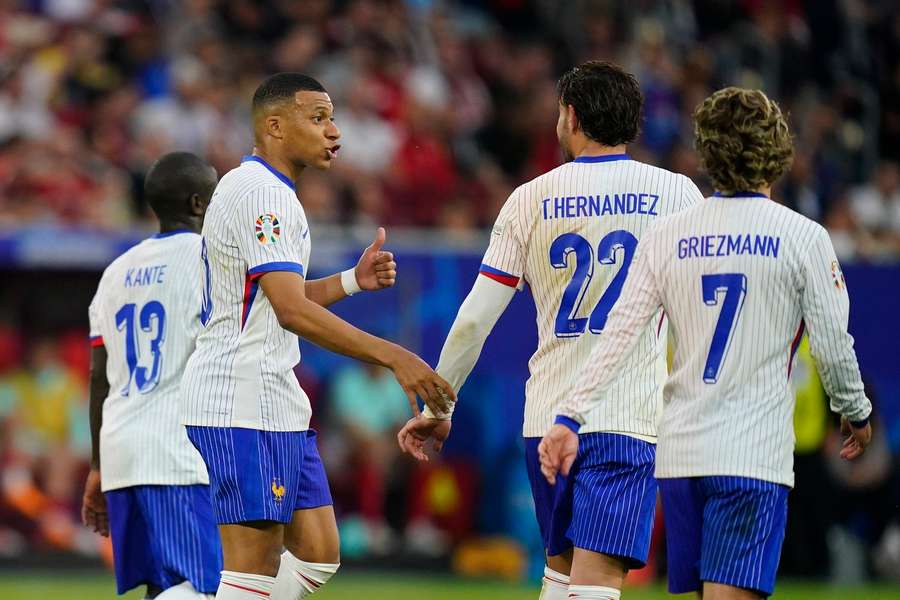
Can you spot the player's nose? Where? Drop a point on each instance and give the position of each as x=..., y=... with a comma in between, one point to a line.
x=332, y=132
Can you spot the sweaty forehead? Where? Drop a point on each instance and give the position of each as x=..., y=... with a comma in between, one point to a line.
x=310, y=101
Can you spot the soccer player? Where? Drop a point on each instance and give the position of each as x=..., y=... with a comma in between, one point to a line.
x=571, y=234
x=739, y=277
x=244, y=409
x=155, y=501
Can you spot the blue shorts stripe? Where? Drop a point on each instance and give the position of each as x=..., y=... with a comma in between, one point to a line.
x=261, y=475
x=606, y=504
x=163, y=535
x=725, y=530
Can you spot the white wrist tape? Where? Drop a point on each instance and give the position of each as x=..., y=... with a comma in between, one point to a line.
x=349, y=283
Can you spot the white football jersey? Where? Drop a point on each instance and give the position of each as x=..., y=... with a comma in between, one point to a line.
x=241, y=373
x=146, y=312
x=571, y=235
x=739, y=278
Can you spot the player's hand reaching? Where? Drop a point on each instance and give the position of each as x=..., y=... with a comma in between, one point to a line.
x=376, y=268
x=418, y=379
x=93, y=505
x=855, y=440
x=557, y=452
x=416, y=433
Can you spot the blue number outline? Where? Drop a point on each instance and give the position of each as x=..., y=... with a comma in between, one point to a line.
x=567, y=325
x=125, y=321
x=125, y=317
x=151, y=310
x=206, y=305
x=734, y=286
x=606, y=254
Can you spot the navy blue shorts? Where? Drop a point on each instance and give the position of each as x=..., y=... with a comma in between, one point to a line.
x=261, y=475
x=725, y=530
x=163, y=535
x=607, y=502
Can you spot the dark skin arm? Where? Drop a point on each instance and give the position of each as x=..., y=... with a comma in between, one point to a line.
x=93, y=506
x=286, y=292
x=375, y=270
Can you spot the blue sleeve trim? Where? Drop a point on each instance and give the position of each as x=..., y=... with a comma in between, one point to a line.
x=568, y=422
x=860, y=424
x=276, y=266
x=489, y=269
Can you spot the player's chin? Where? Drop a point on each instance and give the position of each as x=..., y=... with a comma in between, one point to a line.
x=324, y=164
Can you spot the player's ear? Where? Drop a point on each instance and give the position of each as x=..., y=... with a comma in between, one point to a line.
x=273, y=126
x=197, y=205
x=571, y=119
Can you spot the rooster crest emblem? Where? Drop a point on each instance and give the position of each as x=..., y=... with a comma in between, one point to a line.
x=277, y=490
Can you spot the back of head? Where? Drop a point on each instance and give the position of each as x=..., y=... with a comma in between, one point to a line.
x=607, y=101
x=280, y=88
x=173, y=181
x=743, y=140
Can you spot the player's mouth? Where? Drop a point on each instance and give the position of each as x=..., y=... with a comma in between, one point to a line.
x=332, y=152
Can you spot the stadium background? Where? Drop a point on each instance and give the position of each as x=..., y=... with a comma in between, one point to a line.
x=444, y=107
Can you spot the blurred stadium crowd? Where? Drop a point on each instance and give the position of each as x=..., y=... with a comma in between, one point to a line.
x=450, y=101
x=444, y=107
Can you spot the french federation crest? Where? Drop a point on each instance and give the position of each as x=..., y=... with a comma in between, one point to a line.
x=277, y=489
x=268, y=229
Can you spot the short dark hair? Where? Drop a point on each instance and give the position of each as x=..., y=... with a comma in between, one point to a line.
x=173, y=179
x=283, y=86
x=743, y=140
x=607, y=101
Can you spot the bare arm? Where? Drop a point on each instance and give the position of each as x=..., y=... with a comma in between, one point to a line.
x=375, y=270
x=286, y=292
x=325, y=291
x=99, y=390
x=93, y=503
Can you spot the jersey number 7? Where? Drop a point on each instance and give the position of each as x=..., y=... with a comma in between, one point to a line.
x=734, y=285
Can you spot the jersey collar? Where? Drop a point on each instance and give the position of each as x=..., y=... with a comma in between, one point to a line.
x=601, y=158
x=284, y=178
x=740, y=195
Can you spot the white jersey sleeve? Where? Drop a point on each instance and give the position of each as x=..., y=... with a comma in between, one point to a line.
x=504, y=261
x=826, y=311
x=639, y=302
x=271, y=231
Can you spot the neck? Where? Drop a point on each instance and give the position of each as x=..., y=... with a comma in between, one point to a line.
x=190, y=223
x=284, y=166
x=765, y=190
x=588, y=147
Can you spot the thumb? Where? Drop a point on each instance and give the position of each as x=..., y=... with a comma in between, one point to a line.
x=567, y=464
x=378, y=242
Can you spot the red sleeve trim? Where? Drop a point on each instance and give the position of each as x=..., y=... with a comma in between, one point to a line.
x=499, y=276
x=96, y=341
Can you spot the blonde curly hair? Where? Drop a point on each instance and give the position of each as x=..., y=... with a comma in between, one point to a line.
x=742, y=139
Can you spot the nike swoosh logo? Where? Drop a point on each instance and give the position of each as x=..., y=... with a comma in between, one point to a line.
x=305, y=233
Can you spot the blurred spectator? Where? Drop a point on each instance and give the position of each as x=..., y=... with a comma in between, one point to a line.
x=876, y=208
x=366, y=408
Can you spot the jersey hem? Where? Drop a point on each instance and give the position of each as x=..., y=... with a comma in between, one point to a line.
x=679, y=474
x=127, y=483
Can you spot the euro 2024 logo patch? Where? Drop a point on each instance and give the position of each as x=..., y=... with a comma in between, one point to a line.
x=268, y=229
x=838, y=275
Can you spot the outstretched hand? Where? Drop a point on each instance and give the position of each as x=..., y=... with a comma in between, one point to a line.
x=557, y=452
x=376, y=268
x=415, y=434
